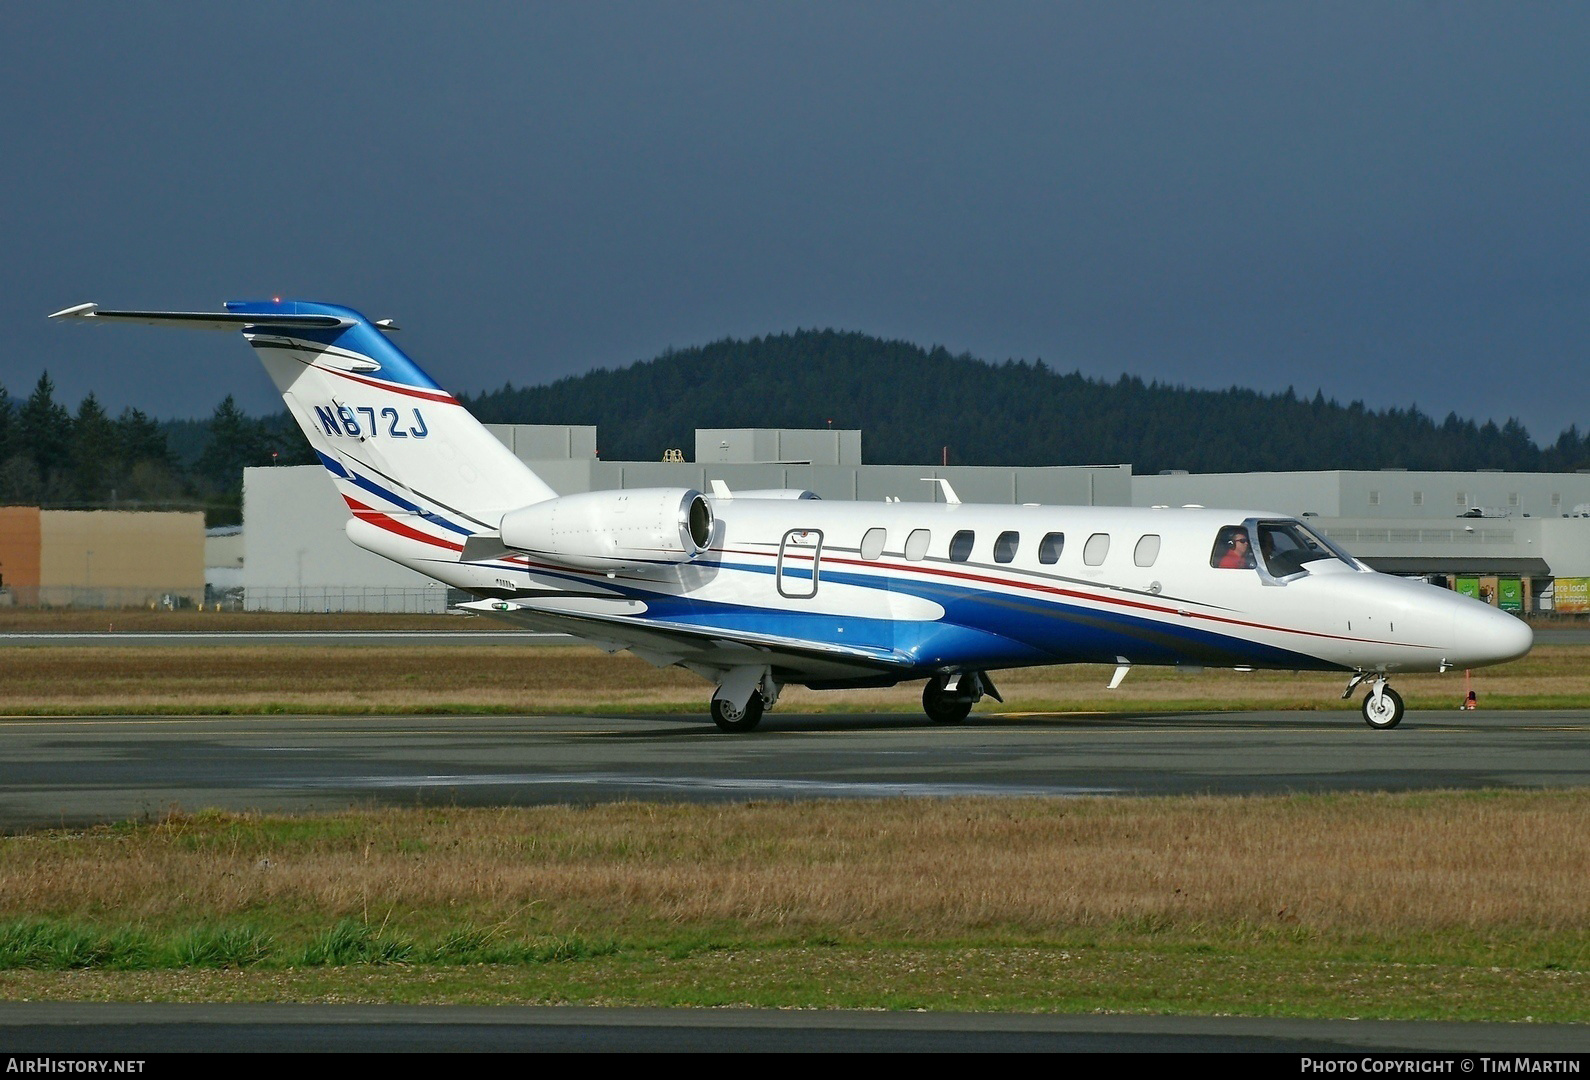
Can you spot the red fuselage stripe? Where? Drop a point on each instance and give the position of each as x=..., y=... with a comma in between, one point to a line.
x=384, y=520
x=1077, y=595
x=429, y=395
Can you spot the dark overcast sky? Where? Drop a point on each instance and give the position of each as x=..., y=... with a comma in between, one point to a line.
x=1387, y=201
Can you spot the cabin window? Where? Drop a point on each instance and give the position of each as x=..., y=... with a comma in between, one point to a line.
x=916, y=545
x=1005, y=546
x=872, y=543
x=961, y=545
x=1097, y=547
x=1050, y=547
x=1147, y=550
x=1233, y=549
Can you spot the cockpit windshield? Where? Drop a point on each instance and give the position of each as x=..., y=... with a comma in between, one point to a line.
x=1287, y=546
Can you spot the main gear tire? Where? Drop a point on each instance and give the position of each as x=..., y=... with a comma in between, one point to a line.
x=730, y=717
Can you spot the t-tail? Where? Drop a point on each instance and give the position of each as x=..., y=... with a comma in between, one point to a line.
x=408, y=459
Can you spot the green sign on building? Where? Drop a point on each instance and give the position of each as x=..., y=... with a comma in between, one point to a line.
x=1510, y=594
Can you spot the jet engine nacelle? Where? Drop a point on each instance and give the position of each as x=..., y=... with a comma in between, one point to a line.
x=613, y=530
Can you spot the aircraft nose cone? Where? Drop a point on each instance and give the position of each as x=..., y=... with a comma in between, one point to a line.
x=1485, y=635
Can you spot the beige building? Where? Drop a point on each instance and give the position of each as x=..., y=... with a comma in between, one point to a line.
x=101, y=558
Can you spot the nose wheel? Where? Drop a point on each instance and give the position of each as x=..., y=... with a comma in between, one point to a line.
x=1383, y=708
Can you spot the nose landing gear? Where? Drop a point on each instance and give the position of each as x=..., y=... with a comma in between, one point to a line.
x=1383, y=708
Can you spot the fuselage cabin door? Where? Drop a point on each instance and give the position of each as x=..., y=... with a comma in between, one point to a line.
x=799, y=556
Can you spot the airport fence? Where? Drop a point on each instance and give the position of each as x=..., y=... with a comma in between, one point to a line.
x=426, y=600
x=103, y=597
x=326, y=599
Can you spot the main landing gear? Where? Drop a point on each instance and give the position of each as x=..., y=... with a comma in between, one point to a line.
x=1383, y=708
x=731, y=717
x=743, y=695
x=947, y=699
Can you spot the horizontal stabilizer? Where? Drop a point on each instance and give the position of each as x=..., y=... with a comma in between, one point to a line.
x=205, y=320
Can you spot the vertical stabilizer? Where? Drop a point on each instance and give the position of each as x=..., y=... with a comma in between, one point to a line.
x=403, y=452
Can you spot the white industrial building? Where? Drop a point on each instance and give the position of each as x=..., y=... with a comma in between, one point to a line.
x=296, y=556
x=1518, y=539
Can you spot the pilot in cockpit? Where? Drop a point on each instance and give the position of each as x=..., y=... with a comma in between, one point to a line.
x=1233, y=549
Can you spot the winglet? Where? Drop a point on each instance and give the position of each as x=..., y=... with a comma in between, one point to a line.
x=79, y=311
x=949, y=493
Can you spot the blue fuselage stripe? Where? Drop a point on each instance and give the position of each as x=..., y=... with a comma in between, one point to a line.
x=980, y=627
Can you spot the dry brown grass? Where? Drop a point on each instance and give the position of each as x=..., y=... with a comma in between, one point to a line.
x=902, y=870
x=401, y=678
x=542, y=678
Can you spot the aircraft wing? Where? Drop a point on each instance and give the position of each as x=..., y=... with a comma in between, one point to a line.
x=663, y=643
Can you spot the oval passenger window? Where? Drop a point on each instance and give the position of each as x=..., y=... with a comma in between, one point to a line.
x=961, y=545
x=1097, y=547
x=1005, y=546
x=872, y=544
x=1050, y=547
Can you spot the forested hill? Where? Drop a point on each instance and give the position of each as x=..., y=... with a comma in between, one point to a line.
x=910, y=402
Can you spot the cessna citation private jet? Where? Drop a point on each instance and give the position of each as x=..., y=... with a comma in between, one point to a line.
x=756, y=590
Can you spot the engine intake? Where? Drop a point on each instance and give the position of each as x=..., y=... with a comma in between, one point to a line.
x=613, y=530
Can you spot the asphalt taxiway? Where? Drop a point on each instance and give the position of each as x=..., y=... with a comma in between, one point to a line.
x=81, y=770
x=133, y=1030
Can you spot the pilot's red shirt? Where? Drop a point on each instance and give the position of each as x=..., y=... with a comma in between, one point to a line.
x=1236, y=560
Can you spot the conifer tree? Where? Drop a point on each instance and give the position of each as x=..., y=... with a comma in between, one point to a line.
x=45, y=427
x=96, y=464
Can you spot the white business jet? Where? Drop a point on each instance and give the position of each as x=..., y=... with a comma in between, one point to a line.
x=757, y=590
